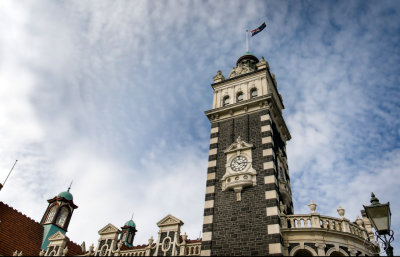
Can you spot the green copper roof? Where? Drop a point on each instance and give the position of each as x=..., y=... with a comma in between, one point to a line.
x=67, y=195
x=130, y=224
x=247, y=53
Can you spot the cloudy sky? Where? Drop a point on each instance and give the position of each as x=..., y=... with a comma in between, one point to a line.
x=112, y=94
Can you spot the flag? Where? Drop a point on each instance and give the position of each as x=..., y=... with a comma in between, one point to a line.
x=255, y=31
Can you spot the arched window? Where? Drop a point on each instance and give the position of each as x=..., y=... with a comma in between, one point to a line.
x=253, y=92
x=226, y=100
x=103, y=250
x=239, y=97
x=51, y=214
x=62, y=217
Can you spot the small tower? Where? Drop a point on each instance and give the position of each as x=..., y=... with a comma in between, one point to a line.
x=57, y=216
x=128, y=233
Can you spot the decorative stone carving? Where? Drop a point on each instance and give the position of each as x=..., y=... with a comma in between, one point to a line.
x=151, y=240
x=262, y=64
x=341, y=212
x=239, y=171
x=219, y=77
x=313, y=206
x=41, y=253
x=359, y=222
x=240, y=70
x=65, y=251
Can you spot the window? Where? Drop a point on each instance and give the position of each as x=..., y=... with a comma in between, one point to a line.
x=51, y=214
x=253, y=92
x=62, y=217
x=239, y=97
x=282, y=174
x=226, y=100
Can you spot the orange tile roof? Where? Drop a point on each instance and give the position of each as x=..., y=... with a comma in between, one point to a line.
x=18, y=232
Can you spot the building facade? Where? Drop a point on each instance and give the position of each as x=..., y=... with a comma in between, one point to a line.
x=248, y=207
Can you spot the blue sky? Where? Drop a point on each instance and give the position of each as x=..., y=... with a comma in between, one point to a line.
x=112, y=94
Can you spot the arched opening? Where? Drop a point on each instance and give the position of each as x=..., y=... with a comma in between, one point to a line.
x=51, y=213
x=226, y=100
x=239, y=97
x=253, y=92
x=336, y=253
x=303, y=252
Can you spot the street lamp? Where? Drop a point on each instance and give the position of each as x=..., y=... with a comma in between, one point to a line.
x=379, y=215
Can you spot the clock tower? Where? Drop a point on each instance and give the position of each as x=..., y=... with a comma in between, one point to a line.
x=248, y=183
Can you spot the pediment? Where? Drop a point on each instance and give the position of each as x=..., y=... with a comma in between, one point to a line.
x=109, y=229
x=169, y=220
x=57, y=236
x=238, y=145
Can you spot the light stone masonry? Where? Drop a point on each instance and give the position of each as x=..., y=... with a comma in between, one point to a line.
x=269, y=165
x=265, y=117
x=275, y=248
x=272, y=211
x=208, y=219
x=212, y=151
x=211, y=176
x=270, y=179
x=266, y=140
x=205, y=252
x=265, y=128
x=274, y=229
x=210, y=189
x=212, y=163
x=214, y=130
x=207, y=236
x=209, y=204
x=213, y=140
x=268, y=152
x=271, y=194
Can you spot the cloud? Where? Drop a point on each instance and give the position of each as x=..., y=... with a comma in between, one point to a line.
x=112, y=95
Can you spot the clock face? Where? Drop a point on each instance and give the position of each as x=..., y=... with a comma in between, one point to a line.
x=238, y=163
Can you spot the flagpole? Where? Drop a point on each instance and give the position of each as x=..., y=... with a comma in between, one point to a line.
x=1, y=186
x=247, y=40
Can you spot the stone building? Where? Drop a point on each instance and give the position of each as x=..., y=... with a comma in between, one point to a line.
x=248, y=206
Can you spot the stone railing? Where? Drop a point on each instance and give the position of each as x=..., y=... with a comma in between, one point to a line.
x=136, y=252
x=317, y=221
x=301, y=221
x=193, y=249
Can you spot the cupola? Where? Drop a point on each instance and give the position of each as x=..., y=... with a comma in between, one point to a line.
x=57, y=216
x=128, y=232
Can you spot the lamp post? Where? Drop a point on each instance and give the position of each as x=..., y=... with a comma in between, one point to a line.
x=379, y=215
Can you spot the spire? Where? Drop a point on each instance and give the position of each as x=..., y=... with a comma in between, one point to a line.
x=70, y=186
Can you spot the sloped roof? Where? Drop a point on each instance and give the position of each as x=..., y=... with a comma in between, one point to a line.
x=18, y=232
x=21, y=233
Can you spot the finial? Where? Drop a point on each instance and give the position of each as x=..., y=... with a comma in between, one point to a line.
x=132, y=216
x=374, y=200
x=341, y=211
x=70, y=186
x=313, y=206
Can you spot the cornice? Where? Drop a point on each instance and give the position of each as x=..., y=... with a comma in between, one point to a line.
x=250, y=106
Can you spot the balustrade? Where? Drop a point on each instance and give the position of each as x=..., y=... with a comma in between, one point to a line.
x=304, y=221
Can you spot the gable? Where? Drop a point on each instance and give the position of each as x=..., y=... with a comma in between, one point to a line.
x=57, y=236
x=108, y=229
x=169, y=220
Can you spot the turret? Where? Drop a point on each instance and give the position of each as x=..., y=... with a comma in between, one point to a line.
x=128, y=233
x=57, y=216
